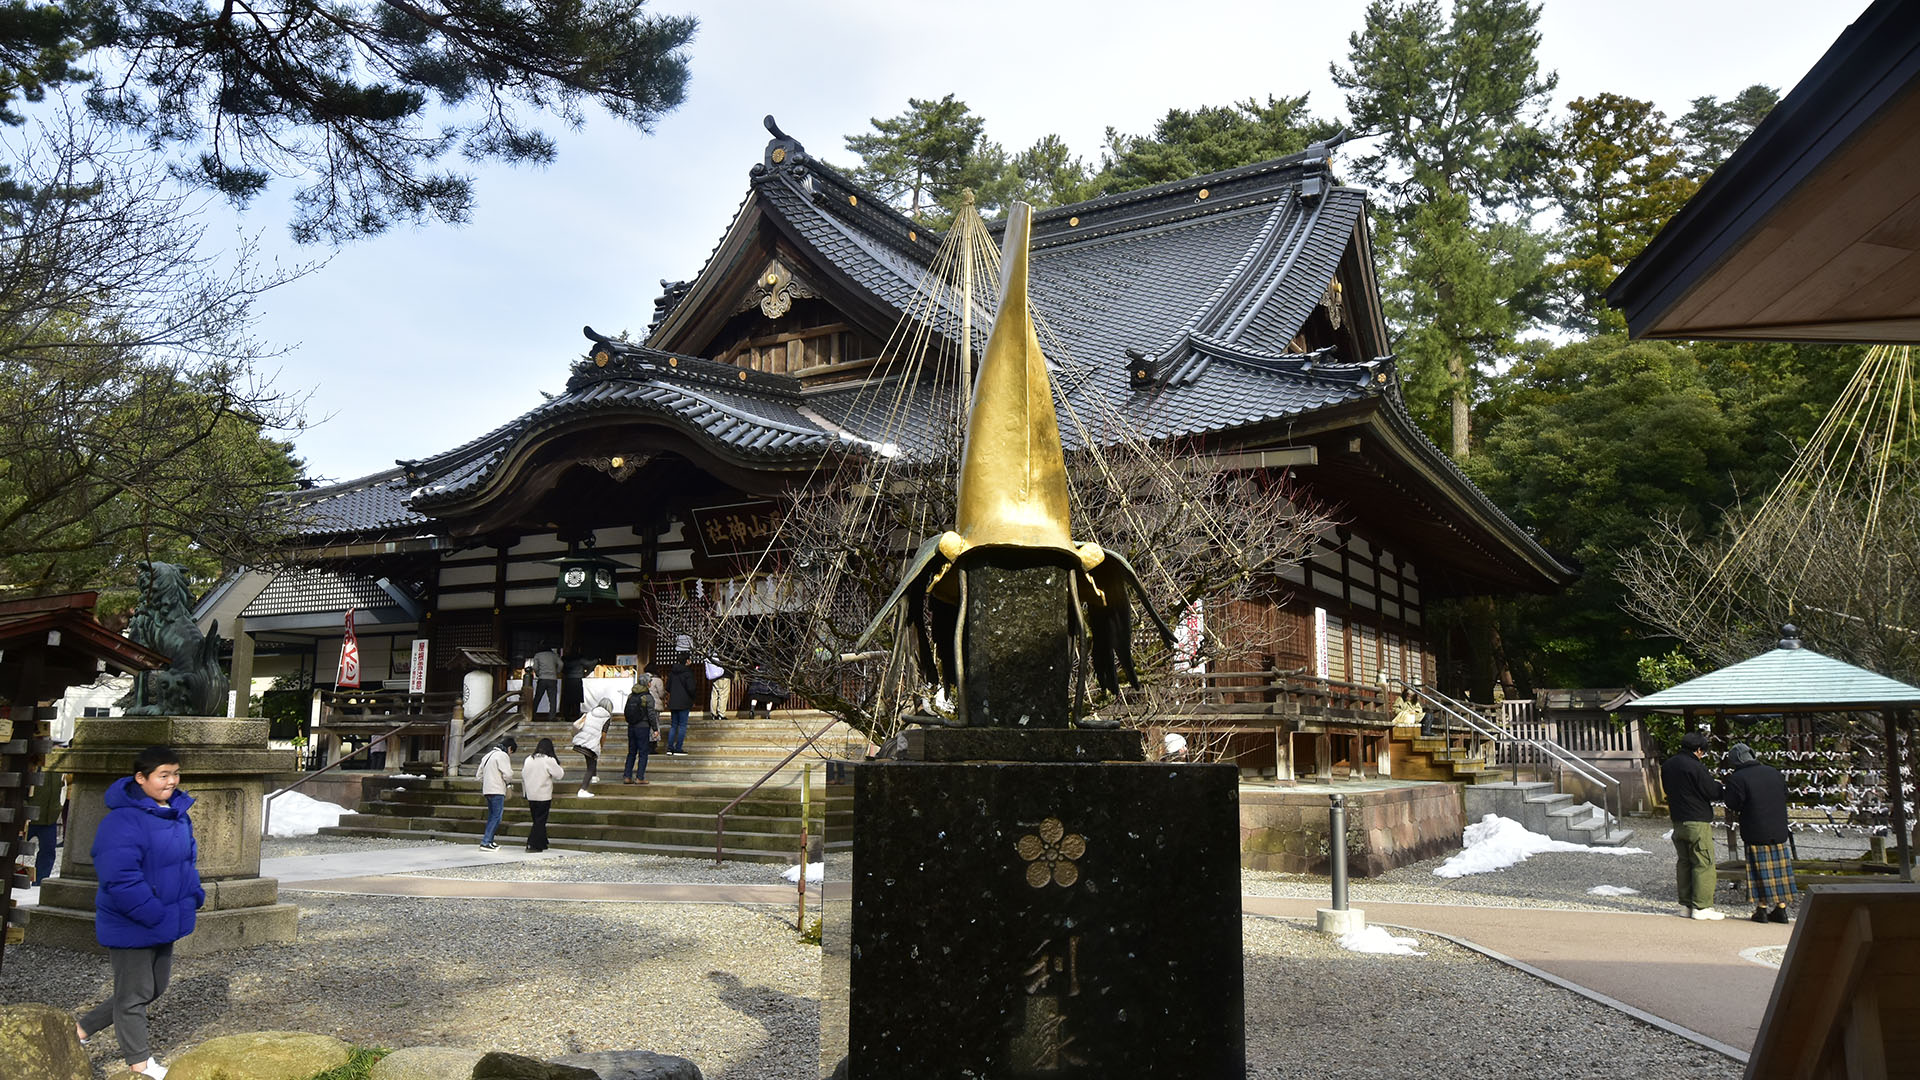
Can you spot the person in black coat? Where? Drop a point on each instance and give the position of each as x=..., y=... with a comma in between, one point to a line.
x=1757, y=795
x=680, y=697
x=1691, y=793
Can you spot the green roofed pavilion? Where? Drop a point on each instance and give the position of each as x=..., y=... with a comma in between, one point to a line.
x=1788, y=678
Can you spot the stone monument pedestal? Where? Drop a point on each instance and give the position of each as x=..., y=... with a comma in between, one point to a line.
x=1045, y=918
x=226, y=766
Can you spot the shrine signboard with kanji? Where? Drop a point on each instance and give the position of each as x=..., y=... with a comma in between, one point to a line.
x=734, y=530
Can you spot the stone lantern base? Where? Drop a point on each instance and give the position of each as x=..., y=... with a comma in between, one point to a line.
x=226, y=766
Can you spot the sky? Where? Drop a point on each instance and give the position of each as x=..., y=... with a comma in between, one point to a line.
x=418, y=340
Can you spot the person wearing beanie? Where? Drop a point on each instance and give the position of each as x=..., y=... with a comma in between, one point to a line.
x=1757, y=795
x=1691, y=793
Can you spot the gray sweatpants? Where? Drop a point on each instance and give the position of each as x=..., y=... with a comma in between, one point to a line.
x=139, y=977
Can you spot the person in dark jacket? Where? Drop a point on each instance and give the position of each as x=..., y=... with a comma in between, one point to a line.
x=149, y=891
x=680, y=697
x=573, y=682
x=763, y=692
x=643, y=724
x=1757, y=795
x=1691, y=792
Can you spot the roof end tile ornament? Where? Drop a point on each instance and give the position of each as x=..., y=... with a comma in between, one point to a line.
x=783, y=150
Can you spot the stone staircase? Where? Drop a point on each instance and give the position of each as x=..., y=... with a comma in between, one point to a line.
x=673, y=814
x=1541, y=809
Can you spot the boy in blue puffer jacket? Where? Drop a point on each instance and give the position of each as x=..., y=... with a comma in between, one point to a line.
x=150, y=888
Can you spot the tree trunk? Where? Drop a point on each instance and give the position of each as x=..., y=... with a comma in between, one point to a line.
x=1462, y=415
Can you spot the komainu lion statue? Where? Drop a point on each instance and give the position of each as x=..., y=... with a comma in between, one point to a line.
x=193, y=685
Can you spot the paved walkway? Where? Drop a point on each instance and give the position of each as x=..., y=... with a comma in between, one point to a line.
x=1683, y=975
x=1689, y=974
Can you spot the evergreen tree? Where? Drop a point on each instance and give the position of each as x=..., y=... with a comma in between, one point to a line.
x=1617, y=181
x=1452, y=110
x=1713, y=129
x=1209, y=139
x=360, y=98
x=921, y=159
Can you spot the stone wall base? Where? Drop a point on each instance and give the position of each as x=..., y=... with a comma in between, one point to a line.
x=214, y=931
x=1284, y=830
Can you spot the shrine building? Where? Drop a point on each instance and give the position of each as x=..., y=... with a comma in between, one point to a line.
x=1235, y=314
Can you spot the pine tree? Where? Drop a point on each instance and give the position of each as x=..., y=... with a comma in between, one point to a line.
x=1452, y=110
x=361, y=99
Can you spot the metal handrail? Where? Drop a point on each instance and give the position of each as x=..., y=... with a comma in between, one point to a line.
x=720, y=819
x=266, y=817
x=1610, y=791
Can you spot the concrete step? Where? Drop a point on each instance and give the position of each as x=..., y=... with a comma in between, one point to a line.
x=694, y=835
x=1614, y=838
x=567, y=843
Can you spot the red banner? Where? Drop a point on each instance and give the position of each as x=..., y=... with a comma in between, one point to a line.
x=349, y=676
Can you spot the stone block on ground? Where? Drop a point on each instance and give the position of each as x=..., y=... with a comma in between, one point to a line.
x=37, y=1042
x=260, y=1055
x=427, y=1063
x=633, y=1065
x=503, y=1066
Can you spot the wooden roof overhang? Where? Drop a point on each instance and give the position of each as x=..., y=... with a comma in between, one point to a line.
x=1811, y=230
x=758, y=234
x=1370, y=465
x=534, y=463
x=54, y=641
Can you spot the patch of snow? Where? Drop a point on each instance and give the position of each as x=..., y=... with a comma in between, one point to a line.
x=406, y=776
x=1668, y=835
x=816, y=873
x=1495, y=843
x=295, y=814
x=1612, y=890
x=1376, y=939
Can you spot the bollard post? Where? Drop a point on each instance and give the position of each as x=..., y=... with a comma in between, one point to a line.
x=1337, y=849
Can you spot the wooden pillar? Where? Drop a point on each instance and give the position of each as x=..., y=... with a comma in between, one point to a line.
x=1323, y=756
x=242, y=675
x=1282, y=754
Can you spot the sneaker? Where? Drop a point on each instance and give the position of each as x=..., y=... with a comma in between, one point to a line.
x=585, y=794
x=1707, y=914
x=1779, y=914
x=151, y=1068
x=649, y=782
x=489, y=847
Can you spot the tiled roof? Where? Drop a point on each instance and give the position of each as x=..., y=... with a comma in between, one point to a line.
x=296, y=591
x=1210, y=278
x=371, y=504
x=749, y=414
x=1784, y=678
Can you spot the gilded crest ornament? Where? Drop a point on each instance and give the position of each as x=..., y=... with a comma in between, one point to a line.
x=1052, y=855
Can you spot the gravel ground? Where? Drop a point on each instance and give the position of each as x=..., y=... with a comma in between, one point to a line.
x=733, y=989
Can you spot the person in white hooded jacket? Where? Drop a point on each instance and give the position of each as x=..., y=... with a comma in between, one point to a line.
x=496, y=776
x=537, y=775
x=589, y=732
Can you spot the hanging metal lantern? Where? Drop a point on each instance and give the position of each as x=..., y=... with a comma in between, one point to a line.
x=586, y=579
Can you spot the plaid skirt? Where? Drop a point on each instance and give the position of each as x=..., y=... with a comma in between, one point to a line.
x=1769, y=875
